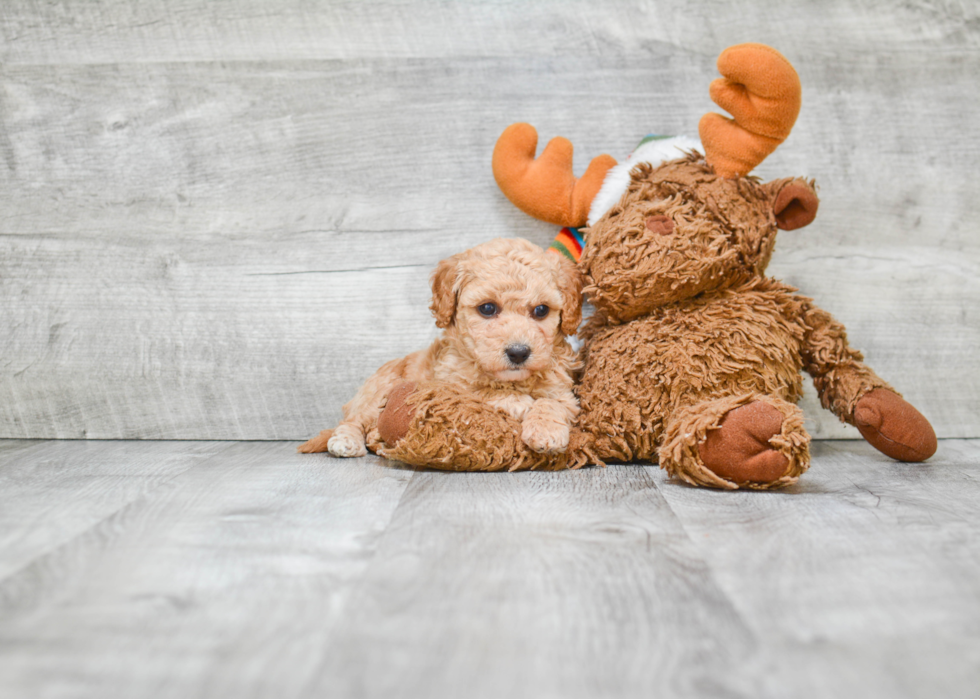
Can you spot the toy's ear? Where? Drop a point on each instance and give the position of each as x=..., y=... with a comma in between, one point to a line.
x=570, y=282
x=795, y=204
x=443, y=282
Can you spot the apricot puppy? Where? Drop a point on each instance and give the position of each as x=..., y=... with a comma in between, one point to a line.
x=505, y=308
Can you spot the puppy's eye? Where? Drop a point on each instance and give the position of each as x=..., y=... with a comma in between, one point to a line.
x=487, y=310
x=541, y=311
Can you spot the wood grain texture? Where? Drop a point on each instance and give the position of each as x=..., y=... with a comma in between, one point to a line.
x=51, y=492
x=219, y=218
x=537, y=585
x=247, y=570
x=864, y=559
x=246, y=30
x=214, y=585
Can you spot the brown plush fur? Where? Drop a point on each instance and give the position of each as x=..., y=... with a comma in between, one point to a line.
x=472, y=354
x=687, y=328
x=478, y=439
x=693, y=356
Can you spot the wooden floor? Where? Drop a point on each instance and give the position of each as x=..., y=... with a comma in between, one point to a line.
x=217, y=569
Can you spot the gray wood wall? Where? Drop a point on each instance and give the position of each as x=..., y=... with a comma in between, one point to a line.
x=218, y=218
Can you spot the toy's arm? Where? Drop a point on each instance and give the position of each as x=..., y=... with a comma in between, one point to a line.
x=839, y=373
x=854, y=393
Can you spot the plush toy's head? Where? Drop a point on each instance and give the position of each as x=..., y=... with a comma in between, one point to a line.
x=680, y=230
x=665, y=231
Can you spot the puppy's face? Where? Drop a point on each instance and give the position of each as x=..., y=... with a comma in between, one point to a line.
x=507, y=303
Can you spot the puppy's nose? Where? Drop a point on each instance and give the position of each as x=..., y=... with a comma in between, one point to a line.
x=518, y=354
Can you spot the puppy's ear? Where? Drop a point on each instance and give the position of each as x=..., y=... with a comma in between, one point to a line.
x=443, y=282
x=570, y=283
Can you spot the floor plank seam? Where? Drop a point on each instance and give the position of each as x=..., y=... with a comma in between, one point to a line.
x=741, y=614
x=143, y=496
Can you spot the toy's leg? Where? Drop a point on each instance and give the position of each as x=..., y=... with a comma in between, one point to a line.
x=892, y=426
x=749, y=441
x=435, y=424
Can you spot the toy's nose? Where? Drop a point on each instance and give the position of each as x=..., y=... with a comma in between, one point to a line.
x=518, y=354
x=661, y=225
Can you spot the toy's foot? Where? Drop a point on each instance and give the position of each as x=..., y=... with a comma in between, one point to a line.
x=317, y=444
x=739, y=449
x=749, y=441
x=397, y=414
x=892, y=426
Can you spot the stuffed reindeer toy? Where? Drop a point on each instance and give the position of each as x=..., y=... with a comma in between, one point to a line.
x=693, y=356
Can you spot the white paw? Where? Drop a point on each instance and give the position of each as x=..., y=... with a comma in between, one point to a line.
x=545, y=437
x=343, y=445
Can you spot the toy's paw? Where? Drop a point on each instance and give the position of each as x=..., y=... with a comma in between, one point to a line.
x=397, y=415
x=892, y=426
x=545, y=436
x=317, y=444
x=345, y=445
x=739, y=449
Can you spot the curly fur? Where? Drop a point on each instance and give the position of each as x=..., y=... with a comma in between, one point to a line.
x=471, y=355
x=455, y=432
x=693, y=356
x=687, y=328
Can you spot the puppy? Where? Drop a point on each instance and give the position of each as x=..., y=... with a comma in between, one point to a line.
x=505, y=308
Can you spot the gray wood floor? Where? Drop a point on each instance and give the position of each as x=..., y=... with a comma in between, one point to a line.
x=215, y=569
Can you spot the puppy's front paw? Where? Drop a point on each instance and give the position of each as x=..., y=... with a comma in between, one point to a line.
x=517, y=406
x=344, y=445
x=545, y=436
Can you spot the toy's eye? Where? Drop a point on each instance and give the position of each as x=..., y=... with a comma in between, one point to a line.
x=541, y=311
x=487, y=310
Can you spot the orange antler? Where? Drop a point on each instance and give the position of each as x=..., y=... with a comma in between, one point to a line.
x=546, y=188
x=761, y=90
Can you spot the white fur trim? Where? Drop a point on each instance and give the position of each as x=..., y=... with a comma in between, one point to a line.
x=618, y=178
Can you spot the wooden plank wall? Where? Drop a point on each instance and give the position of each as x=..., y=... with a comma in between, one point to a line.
x=218, y=218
